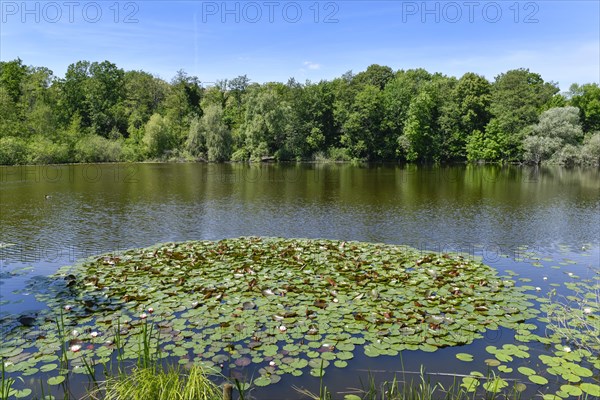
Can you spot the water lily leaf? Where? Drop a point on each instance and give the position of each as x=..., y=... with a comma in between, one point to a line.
x=520, y=387
x=19, y=394
x=262, y=381
x=590, y=388
x=48, y=367
x=470, y=384
x=492, y=362
x=540, y=380
x=526, y=371
x=495, y=385
x=571, y=390
x=464, y=357
x=56, y=380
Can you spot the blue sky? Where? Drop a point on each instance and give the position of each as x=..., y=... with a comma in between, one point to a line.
x=275, y=40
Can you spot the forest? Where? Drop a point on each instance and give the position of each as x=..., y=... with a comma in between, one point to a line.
x=101, y=113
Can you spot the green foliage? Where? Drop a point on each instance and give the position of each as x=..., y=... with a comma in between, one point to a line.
x=591, y=150
x=266, y=122
x=42, y=150
x=540, y=148
x=554, y=137
x=467, y=112
x=569, y=155
x=587, y=99
x=561, y=123
x=158, y=137
x=517, y=98
x=362, y=134
x=375, y=75
x=196, y=141
x=483, y=146
x=99, y=112
x=171, y=384
x=12, y=73
x=12, y=150
x=94, y=148
x=218, y=136
x=144, y=95
x=420, y=127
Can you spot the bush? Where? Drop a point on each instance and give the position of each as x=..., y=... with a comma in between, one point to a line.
x=196, y=142
x=560, y=122
x=12, y=151
x=41, y=150
x=590, y=152
x=157, y=136
x=240, y=155
x=569, y=155
x=539, y=148
x=94, y=148
x=339, y=154
x=132, y=151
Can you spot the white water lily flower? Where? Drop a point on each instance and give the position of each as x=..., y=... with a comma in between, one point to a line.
x=335, y=300
x=538, y=288
x=282, y=328
x=570, y=274
x=587, y=310
x=567, y=349
x=75, y=348
x=143, y=315
x=545, y=278
x=94, y=334
x=272, y=363
x=150, y=310
x=68, y=307
x=75, y=333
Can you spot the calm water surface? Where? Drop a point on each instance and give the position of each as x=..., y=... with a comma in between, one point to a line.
x=55, y=215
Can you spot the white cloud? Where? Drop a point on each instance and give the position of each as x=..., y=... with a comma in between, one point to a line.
x=312, y=65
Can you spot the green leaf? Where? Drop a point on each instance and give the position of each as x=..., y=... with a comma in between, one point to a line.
x=540, y=380
x=464, y=357
x=56, y=380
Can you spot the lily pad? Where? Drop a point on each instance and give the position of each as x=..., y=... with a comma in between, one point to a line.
x=464, y=357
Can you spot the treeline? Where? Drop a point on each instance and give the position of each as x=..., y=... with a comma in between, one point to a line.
x=99, y=112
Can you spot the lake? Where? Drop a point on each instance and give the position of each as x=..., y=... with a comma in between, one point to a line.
x=543, y=223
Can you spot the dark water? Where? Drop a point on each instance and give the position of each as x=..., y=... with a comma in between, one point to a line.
x=55, y=215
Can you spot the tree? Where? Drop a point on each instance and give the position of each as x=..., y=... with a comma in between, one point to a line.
x=104, y=94
x=467, y=111
x=420, y=130
x=266, y=122
x=591, y=149
x=12, y=74
x=397, y=97
x=361, y=132
x=518, y=96
x=587, y=99
x=158, y=137
x=182, y=104
x=540, y=148
x=218, y=136
x=144, y=95
x=561, y=123
x=554, y=136
x=376, y=75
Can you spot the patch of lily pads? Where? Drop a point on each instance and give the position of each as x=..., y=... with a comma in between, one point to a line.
x=277, y=303
x=292, y=307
